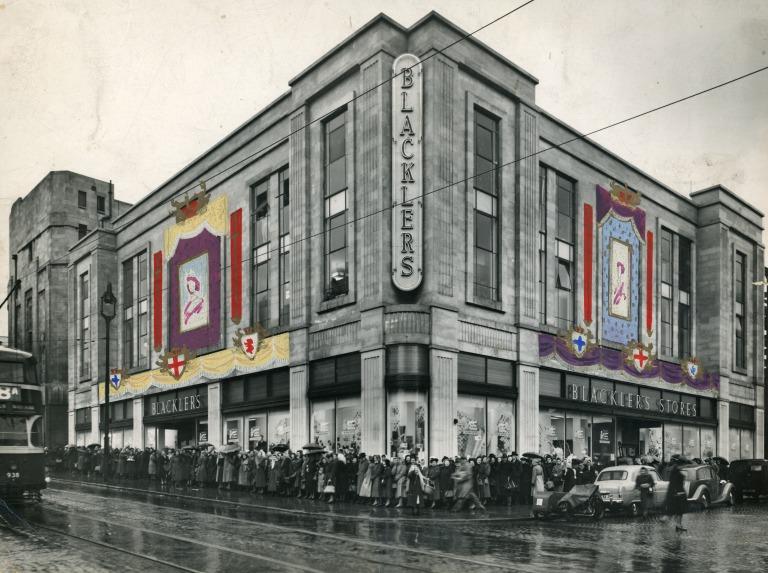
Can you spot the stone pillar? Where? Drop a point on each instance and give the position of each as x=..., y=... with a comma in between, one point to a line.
x=527, y=413
x=214, y=414
x=71, y=433
x=723, y=425
x=96, y=435
x=443, y=392
x=138, y=423
x=299, y=406
x=373, y=400
x=759, y=433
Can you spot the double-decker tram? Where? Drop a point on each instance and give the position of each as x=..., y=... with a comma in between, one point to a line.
x=22, y=457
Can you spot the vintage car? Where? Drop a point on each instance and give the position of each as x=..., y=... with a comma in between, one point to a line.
x=749, y=478
x=705, y=488
x=617, y=488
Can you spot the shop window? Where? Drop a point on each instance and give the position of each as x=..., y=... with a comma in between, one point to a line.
x=651, y=441
x=501, y=426
x=348, y=423
x=257, y=432
x=604, y=440
x=279, y=426
x=407, y=415
x=324, y=424
x=708, y=442
x=551, y=432
x=691, y=442
x=470, y=430
x=577, y=435
x=549, y=383
x=673, y=440
x=232, y=432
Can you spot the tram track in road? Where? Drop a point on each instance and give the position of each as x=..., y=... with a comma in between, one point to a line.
x=345, y=546
x=29, y=530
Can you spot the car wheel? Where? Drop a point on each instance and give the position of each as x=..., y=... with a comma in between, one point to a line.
x=730, y=500
x=704, y=501
x=634, y=509
x=563, y=507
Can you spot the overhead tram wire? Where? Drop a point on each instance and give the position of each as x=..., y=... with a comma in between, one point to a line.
x=322, y=117
x=514, y=161
x=354, y=98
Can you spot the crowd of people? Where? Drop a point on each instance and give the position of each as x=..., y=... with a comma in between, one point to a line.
x=396, y=481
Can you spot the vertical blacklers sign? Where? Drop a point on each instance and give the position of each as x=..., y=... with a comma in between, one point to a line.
x=407, y=169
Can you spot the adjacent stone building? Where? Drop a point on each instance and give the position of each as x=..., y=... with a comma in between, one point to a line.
x=416, y=264
x=58, y=213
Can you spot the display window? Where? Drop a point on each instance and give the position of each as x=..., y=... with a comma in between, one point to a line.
x=691, y=442
x=406, y=419
x=279, y=427
x=232, y=434
x=336, y=424
x=551, y=432
x=484, y=426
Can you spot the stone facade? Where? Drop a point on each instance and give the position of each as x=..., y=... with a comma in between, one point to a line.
x=446, y=368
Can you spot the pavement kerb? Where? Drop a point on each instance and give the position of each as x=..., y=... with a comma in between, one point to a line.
x=479, y=517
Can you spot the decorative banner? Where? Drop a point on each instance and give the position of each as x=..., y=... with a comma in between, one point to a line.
x=248, y=340
x=611, y=359
x=214, y=218
x=189, y=207
x=639, y=356
x=649, y=283
x=236, y=264
x=588, y=238
x=157, y=301
x=273, y=352
x=174, y=362
x=194, y=292
x=622, y=228
x=407, y=169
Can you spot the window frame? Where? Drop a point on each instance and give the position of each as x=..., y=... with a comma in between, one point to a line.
x=564, y=255
x=335, y=288
x=131, y=323
x=739, y=311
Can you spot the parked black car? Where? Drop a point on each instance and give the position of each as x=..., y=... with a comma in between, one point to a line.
x=749, y=478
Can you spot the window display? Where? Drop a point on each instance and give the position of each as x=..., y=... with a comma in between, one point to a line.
x=691, y=443
x=323, y=424
x=407, y=415
x=470, y=430
x=279, y=427
x=348, y=426
x=257, y=432
x=501, y=426
x=551, y=432
x=673, y=438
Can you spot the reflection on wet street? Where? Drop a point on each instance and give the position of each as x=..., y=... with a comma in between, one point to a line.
x=143, y=531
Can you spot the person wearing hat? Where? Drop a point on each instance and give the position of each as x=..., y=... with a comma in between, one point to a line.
x=433, y=474
x=677, y=497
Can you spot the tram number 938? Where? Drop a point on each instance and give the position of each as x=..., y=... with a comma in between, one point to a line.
x=12, y=475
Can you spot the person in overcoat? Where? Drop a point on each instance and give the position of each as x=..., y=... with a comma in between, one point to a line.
x=677, y=497
x=387, y=482
x=272, y=475
x=483, y=479
x=243, y=473
x=229, y=472
x=152, y=467
x=260, y=472
x=399, y=476
x=211, y=464
x=351, y=471
x=445, y=481
x=342, y=477
x=415, y=488
x=493, y=476
x=363, y=466
x=433, y=473
x=464, y=486
x=376, y=471
x=121, y=460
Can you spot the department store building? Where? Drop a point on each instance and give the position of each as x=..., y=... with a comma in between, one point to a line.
x=415, y=264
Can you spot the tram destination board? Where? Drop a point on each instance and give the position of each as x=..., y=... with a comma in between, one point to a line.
x=10, y=394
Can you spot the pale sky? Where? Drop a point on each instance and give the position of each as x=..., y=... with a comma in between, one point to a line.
x=132, y=90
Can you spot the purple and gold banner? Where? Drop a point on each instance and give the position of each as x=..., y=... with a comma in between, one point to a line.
x=612, y=359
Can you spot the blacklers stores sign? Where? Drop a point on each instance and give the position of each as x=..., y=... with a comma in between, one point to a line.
x=407, y=169
x=190, y=402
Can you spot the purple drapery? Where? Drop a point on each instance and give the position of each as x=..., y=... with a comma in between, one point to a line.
x=606, y=202
x=611, y=359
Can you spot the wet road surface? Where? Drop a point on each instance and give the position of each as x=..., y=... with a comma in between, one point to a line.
x=166, y=533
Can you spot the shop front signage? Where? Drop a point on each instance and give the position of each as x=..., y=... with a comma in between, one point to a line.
x=630, y=400
x=202, y=437
x=176, y=406
x=407, y=169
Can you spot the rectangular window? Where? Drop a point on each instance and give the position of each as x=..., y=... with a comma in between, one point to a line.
x=336, y=255
x=684, y=297
x=542, y=267
x=564, y=257
x=136, y=311
x=28, y=320
x=17, y=324
x=82, y=199
x=129, y=355
x=82, y=231
x=285, y=247
x=739, y=281
x=42, y=328
x=486, y=197
x=261, y=285
x=667, y=241
x=261, y=253
x=101, y=204
x=85, y=326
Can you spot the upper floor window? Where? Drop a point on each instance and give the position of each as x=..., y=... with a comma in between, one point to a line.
x=136, y=311
x=101, y=204
x=676, y=283
x=684, y=297
x=28, y=320
x=486, y=196
x=739, y=293
x=285, y=247
x=542, y=262
x=85, y=326
x=82, y=199
x=261, y=252
x=336, y=205
x=564, y=256
x=666, y=291
x=82, y=231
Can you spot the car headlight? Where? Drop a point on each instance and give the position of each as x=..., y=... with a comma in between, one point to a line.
x=47, y=479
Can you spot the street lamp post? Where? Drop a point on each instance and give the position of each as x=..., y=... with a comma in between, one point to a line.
x=108, y=304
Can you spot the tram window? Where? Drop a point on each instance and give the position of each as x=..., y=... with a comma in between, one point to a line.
x=13, y=431
x=36, y=433
x=11, y=372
